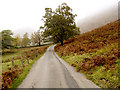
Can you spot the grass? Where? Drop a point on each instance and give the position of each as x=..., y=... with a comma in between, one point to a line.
x=105, y=79
x=22, y=76
x=99, y=75
x=14, y=53
x=0, y=64
x=10, y=53
x=7, y=65
x=95, y=53
x=16, y=75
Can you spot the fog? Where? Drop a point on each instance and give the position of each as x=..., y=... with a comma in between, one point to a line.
x=99, y=19
x=22, y=16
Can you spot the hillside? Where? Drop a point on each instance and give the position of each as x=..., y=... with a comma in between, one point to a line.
x=98, y=19
x=95, y=53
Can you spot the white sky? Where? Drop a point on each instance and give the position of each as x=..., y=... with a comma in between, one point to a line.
x=22, y=16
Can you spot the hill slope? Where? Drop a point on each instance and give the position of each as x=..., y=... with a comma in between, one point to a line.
x=99, y=19
x=95, y=53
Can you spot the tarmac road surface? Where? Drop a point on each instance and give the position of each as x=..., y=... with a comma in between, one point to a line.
x=50, y=71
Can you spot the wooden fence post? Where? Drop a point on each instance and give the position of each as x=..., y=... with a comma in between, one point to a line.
x=13, y=62
x=27, y=57
x=31, y=55
x=22, y=61
x=36, y=52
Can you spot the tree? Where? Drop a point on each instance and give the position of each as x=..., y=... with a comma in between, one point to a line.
x=25, y=40
x=17, y=41
x=7, y=38
x=60, y=24
x=36, y=37
x=33, y=40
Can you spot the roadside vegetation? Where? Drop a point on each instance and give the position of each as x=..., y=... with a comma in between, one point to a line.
x=95, y=54
x=9, y=53
x=12, y=76
x=17, y=81
x=18, y=54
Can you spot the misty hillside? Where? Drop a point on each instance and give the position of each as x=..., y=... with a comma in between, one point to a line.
x=97, y=20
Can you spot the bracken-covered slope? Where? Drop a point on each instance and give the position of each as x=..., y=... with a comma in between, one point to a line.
x=90, y=41
x=96, y=54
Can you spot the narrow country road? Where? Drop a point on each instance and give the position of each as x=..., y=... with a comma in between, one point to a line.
x=52, y=72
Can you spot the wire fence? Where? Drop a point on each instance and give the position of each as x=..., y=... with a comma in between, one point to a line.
x=25, y=58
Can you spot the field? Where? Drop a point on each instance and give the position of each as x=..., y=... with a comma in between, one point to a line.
x=16, y=64
x=95, y=54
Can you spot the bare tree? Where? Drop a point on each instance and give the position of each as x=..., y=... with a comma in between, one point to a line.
x=36, y=37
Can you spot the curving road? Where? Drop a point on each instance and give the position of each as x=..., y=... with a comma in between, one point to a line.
x=50, y=71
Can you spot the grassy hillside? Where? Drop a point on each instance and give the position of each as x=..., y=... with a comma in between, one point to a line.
x=95, y=53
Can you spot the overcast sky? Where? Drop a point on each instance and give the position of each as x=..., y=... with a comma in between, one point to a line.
x=22, y=16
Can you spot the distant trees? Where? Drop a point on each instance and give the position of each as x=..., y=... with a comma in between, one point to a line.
x=25, y=40
x=8, y=41
x=7, y=38
x=33, y=40
x=18, y=40
x=60, y=24
x=36, y=37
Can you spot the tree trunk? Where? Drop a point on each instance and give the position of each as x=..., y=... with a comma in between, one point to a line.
x=61, y=43
x=39, y=43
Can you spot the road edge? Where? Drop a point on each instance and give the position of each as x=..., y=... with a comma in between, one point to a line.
x=75, y=75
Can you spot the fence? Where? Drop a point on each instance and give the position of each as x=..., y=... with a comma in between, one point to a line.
x=25, y=58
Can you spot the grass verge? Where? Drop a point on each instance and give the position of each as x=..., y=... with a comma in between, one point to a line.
x=22, y=76
x=105, y=75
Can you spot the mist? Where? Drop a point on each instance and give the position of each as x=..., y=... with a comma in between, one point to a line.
x=98, y=19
